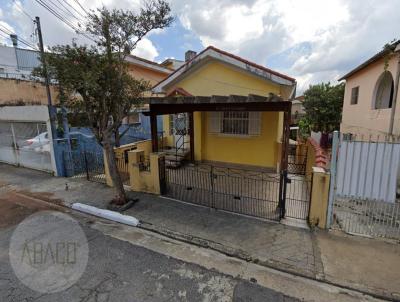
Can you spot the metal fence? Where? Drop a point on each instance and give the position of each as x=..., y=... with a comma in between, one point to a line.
x=241, y=191
x=84, y=164
x=364, y=186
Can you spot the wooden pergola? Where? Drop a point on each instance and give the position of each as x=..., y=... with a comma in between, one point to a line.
x=190, y=104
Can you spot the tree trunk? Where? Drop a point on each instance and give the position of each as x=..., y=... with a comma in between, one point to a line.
x=113, y=170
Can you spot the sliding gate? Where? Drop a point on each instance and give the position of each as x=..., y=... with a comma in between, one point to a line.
x=236, y=190
x=26, y=144
x=255, y=193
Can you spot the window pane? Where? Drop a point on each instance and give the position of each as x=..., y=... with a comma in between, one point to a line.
x=235, y=123
x=354, y=95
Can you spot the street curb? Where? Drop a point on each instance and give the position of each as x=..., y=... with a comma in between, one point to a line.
x=228, y=251
x=239, y=254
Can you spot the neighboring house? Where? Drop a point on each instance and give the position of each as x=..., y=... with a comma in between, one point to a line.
x=147, y=70
x=370, y=104
x=172, y=64
x=17, y=85
x=153, y=73
x=298, y=111
x=238, y=138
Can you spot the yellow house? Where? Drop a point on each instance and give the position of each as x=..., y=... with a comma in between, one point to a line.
x=231, y=137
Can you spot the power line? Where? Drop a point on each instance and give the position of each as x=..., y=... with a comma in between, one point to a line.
x=71, y=6
x=4, y=36
x=8, y=33
x=80, y=5
x=56, y=14
x=62, y=18
x=22, y=10
x=65, y=9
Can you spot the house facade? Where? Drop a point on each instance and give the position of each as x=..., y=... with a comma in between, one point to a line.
x=235, y=138
x=371, y=99
x=17, y=85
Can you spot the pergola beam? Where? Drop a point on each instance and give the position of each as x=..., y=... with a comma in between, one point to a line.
x=169, y=108
x=190, y=104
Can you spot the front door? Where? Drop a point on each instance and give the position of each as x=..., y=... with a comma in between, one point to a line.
x=180, y=130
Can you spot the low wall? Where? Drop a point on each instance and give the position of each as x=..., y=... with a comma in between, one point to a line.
x=319, y=198
x=317, y=160
x=144, y=176
x=121, y=154
x=144, y=145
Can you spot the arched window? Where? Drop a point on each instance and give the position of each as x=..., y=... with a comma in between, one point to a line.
x=384, y=91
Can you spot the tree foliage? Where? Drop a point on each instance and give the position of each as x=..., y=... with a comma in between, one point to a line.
x=323, y=106
x=95, y=80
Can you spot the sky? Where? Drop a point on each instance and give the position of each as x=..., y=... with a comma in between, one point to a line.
x=313, y=41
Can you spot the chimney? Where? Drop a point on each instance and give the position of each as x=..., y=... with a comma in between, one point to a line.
x=190, y=54
x=14, y=39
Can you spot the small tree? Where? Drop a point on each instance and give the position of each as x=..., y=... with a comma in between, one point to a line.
x=323, y=106
x=95, y=79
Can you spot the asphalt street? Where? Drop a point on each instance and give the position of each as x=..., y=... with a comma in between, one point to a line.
x=120, y=271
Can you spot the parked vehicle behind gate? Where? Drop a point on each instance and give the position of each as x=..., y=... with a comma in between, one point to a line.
x=39, y=143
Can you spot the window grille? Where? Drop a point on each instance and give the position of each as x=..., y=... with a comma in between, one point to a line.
x=235, y=122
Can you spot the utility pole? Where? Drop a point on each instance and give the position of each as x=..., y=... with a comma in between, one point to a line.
x=46, y=79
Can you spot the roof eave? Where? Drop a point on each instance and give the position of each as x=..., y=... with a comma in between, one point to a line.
x=371, y=60
x=213, y=53
x=149, y=65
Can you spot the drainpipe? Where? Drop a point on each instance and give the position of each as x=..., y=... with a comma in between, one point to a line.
x=396, y=89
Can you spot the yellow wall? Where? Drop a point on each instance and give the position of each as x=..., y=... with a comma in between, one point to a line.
x=251, y=150
x=144, y=146
x=319, y=198
x=216, y=78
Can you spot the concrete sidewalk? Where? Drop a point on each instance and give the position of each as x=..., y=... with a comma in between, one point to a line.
x=368, y=265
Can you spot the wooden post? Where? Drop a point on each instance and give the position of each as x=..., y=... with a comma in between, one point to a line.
x=154, y=134
x=191, y=134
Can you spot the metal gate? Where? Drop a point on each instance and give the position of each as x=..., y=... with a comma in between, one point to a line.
x=364, y=186
x=298, y=196
x=236, y=190
x=255, y=193
x=26, y=144
x=297, y=159
x=85, y=164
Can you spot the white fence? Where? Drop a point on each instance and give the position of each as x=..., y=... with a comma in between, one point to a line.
x=363, y=195
x=368, y=170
